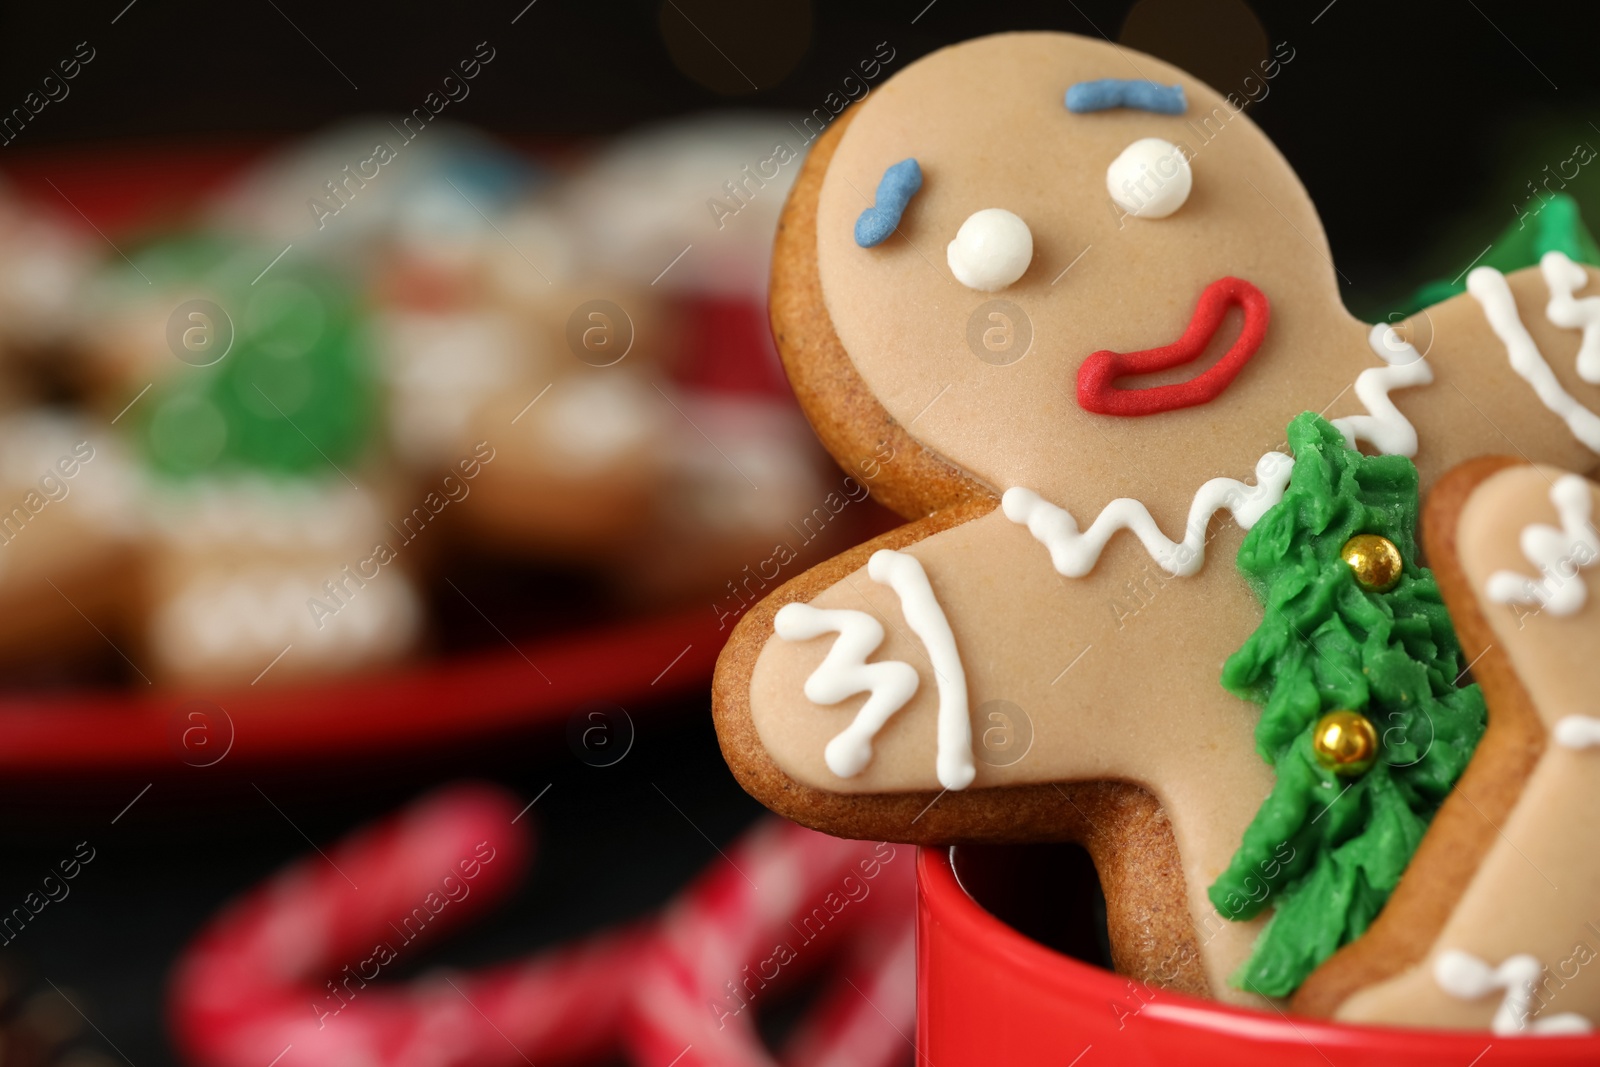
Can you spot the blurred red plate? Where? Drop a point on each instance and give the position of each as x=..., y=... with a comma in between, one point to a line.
x=113, y=189
x=450, y=701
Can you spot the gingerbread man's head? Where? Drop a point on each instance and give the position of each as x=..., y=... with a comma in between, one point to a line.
x=1129, y=213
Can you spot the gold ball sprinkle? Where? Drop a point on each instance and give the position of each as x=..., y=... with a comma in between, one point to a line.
x=1345, y=743
x=1375, y=561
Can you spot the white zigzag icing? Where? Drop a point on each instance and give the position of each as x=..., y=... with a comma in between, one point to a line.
x=845, y=672
x=1489, y=287
x=1552, y=550
x=1390, y=432
x=1467, y=977
x=1074, y=554
x=1563, y=277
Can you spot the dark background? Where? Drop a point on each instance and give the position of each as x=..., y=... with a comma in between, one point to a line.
x=1416, y=128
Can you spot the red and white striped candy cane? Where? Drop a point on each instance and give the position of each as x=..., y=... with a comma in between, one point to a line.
x=787, y=902
x=784, y=900
x=291, y=969
x=867, y=1012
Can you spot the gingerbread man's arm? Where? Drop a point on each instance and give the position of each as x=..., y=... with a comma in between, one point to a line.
x=1525, y=398
x=1065, y=736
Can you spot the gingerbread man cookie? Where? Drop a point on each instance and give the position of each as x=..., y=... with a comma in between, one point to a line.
x=1164, y=305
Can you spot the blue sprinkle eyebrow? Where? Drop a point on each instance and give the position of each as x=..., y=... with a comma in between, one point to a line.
x=895, y=190
x=1126, y=92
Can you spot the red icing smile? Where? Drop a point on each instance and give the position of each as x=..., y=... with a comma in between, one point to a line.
x=1096, y=392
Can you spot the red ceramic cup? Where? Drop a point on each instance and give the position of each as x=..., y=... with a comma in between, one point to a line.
x=987, y=993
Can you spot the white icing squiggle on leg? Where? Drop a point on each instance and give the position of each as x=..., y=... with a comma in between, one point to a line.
x=1074, y=554
x=845, y=672
x=904, y=574
x=1489, y=287
x=1464, y=975
x=1384, y=427
x=1563, y=277
x=1558, y=553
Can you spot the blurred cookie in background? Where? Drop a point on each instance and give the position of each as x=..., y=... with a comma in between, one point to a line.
x=69, y=532
x=261, y=580
x=44, y=263
x=707, y=189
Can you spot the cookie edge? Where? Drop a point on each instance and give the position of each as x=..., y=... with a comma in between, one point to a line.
x=847, y=418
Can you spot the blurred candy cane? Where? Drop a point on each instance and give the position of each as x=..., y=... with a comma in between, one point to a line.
x=785, y=903
x=781, y=905
x=867, y=1013
x=294, y=968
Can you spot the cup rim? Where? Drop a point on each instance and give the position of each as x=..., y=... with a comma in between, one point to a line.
x=948, y=912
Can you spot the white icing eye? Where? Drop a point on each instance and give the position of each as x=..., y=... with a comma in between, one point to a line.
x=1150, y=179
x=992, y=249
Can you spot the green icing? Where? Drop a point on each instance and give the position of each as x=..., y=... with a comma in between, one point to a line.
x=1325, y=852
x=1557, y=227
x=295, y=393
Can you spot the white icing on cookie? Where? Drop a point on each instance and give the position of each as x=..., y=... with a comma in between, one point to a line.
x=1464, y=975
x=845, y=672
x=248, y=513
x=241, y=619
x=1489, y=287
x=1564, y=277
x=1384, y=427
x=1577, y=731
x=1558, y=553
x=904, y=574
x=1074, y=554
